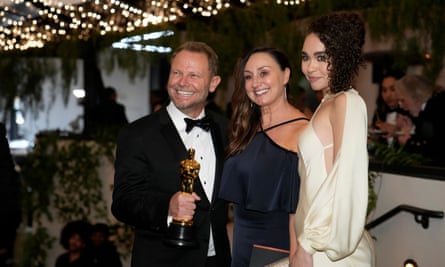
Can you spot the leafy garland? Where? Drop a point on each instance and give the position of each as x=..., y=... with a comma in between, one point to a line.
x=231, y=33
x=415, y=27
x=61, y=182
x=388, y=155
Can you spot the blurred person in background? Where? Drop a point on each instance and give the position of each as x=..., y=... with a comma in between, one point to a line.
x=75, y=239
x=10, y=211
x=418, y=96
x=109, y=115
x=384, y=122
x=104, y=252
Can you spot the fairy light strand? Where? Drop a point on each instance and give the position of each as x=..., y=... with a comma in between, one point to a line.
x=26, y=24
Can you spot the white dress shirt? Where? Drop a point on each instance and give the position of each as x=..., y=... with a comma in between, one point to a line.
x=201, y=141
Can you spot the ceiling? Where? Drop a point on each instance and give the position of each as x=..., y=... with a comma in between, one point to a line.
x=29, y=24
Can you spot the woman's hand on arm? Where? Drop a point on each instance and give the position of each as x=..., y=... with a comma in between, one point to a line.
x=300, y=258
x=292, y=235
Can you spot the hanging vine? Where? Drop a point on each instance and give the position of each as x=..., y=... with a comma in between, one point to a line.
x=414, y=27
x=60, y=183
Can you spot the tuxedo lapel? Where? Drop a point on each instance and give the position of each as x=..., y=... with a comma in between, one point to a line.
x=178, y=149
x=218, y=144
x=171, y=135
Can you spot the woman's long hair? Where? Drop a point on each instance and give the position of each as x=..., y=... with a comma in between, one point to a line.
x=246, y=116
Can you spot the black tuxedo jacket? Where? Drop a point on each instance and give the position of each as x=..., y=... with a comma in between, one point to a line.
x=148, y=154
x=429, y=136
x=10, y=210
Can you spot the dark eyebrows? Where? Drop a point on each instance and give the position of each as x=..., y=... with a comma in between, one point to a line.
x=319, y=53
x=260, y=68
x=264, y=67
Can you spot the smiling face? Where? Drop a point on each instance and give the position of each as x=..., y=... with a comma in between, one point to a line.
x=264, y=80
x=190, y=81
x=408, y=103
x=314, y=63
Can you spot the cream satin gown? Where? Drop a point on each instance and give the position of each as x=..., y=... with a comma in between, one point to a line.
x=331, y=212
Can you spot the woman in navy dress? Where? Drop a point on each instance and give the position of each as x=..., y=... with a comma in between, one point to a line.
x=260, y=175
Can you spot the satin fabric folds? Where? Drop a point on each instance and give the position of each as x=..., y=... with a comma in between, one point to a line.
x=331, y=214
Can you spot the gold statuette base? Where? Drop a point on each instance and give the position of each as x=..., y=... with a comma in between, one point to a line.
x=181, y=234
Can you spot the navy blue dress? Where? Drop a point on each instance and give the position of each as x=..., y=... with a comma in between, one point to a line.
x=263, y=184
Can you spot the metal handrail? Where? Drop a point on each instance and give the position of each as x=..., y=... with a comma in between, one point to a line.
x=421, y=216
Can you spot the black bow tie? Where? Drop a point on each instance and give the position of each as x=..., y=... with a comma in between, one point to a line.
x=204, y=123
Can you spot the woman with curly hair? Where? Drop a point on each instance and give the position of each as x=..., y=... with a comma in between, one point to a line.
x=75, y=238
x=333, y=158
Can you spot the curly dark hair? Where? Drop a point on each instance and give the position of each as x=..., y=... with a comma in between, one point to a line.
x=246, y=116
x=82, y=228
x=343, y=35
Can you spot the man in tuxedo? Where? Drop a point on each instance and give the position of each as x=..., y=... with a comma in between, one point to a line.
x=419, y=97
x=109, y=116
x=147, y=169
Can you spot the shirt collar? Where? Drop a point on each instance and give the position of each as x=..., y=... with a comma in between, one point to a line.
x=178, y=116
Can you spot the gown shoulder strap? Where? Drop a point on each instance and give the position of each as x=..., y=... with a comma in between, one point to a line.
x=284, y=122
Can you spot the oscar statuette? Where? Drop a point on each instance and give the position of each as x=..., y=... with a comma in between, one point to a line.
x=181, y=231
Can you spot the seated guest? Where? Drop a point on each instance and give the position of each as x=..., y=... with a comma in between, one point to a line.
x=104, y=252
x=417, y=95
x=75, y=238
x=384, y=122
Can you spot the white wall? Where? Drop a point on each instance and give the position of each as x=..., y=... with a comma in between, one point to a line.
x=400, y=237
x=56, y=115
x=134, y=95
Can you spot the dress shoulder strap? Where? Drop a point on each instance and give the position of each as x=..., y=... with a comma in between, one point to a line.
x=284, y=122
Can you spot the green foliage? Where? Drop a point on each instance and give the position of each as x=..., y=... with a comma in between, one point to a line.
x=38, y=171
x=62, y=184
x=78, y=193
x=372, y=195
x=122, y=236
x=63, y=174
x=414, y=27
x=24, y=78
x=388, y=155
x=392, y=155
x=35, y=250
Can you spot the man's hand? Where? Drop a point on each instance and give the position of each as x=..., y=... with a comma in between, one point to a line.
x=182, y=205
x=388, y=128
x=405, y=125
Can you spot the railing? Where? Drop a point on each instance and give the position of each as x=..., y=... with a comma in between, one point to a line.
x=421, y=216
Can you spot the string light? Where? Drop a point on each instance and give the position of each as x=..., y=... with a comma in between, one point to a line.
x=26, y=24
